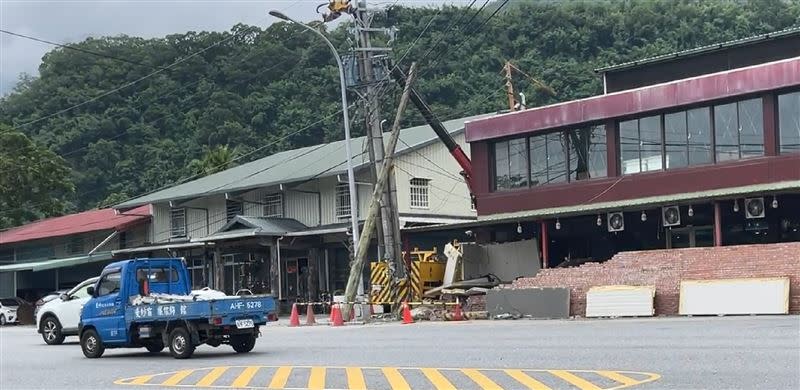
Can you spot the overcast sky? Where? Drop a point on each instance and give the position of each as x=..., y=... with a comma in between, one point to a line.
x=66, y=21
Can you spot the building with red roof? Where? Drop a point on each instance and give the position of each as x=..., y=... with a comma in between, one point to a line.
x=60, y=252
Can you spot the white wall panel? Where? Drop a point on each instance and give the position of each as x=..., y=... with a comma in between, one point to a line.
x=620, y=301
x=735, y=296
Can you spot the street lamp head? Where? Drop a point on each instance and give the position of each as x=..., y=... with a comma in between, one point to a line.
x=279, y=15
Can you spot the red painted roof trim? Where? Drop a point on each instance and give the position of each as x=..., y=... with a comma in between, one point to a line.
x=87, y=221
x=757, y=78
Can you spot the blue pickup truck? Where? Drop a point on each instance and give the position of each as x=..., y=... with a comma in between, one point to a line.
x=147, y=303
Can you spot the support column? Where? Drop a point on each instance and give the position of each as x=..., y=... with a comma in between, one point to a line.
x=717, y=224
x=313, y=274
x=545, y=242
x=219, y=270
x=274, y=273
x=770, y=129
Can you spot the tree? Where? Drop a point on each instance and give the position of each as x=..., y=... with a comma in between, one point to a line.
x=34, y=181
x=214, y=160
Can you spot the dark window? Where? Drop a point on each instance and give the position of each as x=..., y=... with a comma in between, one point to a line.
x=157, y=275
x=548, y=159
x=177, y=223
x=109, y=284
x=232, y=209
x=123, y=240
x=75, y=245
x=698, y=126
x=676, y=140
x=789, y=122
x=640, y=145
x=511, y=164
x=739, y=130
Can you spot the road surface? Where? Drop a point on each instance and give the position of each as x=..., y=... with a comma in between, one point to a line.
x=660, y=353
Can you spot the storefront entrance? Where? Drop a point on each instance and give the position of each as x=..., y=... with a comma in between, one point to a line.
x=690, y=237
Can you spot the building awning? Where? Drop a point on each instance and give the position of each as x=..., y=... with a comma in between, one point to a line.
x=620, y=205
x=167, y=246
x=43, y=265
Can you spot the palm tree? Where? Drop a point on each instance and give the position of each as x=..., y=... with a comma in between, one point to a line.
x=214, y=160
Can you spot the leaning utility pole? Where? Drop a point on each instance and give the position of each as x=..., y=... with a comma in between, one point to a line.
x=377, y=193
x=389, y=228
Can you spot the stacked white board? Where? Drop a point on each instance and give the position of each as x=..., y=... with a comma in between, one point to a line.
x=620, y=301
x=735, y=296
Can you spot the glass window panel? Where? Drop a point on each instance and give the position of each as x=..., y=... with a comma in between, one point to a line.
x=650, y=143
x=726, y=132
x=629, y=146
x=699, y=134
x=598, y=159
x=538, y=146
x=518, y=163
x=578, y=154
x=501, y=180
x=751, y=127
x=556, y=158
x=675, y=140
x=789, y=122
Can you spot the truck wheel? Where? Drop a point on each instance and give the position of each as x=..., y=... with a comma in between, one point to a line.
x=51, y=331
x=91, y=344
x=155, y=347
x=243, y=343
x=180, y=343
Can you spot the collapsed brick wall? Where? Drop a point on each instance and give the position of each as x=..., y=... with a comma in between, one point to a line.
x=665, y=269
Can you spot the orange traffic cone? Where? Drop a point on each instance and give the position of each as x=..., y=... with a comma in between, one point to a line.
x=407, y=319
x=457, y=315
x=336, y=316
x=310, y=316
x=294, y=319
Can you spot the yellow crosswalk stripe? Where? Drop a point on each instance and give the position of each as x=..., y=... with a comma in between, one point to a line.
x=244, y=378
x=615, y=376
x=280, y=377
x=395, y=379
x=177, y=377
x=482, y=380
x=355, y=379
x=316, y=381
x=437, y=379
x=526, y=380
x=212, y=376
x=140, y=380
x=575, y=380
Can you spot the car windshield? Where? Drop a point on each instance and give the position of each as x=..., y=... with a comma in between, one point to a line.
x=8, y=302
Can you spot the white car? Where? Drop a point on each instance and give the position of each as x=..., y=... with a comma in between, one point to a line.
x=60, y=317
x=8, y=311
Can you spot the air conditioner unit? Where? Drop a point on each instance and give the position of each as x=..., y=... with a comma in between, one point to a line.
x=754, y=208
x=671, y=215
x=616, y=221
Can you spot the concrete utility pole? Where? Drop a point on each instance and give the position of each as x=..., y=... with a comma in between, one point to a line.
x=374, y=206
x=389, y=228
x=509, y=86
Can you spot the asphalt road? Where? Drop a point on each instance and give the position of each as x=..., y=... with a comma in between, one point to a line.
x=668, y=353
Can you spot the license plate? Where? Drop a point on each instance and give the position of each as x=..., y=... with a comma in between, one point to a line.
x=244, y=324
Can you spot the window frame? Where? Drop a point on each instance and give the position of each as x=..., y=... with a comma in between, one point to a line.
x=777, y=112
x=423, y=197
x=341, y=191
x=183, y=231
x=233, y=203
x=76, y=245
x=103, y=278
x=269, y=201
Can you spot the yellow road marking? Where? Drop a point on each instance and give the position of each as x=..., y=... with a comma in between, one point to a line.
x=575, y=380
x=437, y=379
x=244, y=378
x=280, y=377
x=482, y=380
x=177, y=377
x=615, y=376
x=212, y=376
x=316, y=381
x=526, y=380
x=395, y=379
x=140, y=380
x=355, y=379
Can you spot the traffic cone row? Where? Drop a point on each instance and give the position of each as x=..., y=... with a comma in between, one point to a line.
x=457, y=315
x=336, y=316
x=294, y=318
x=310, y=315
x=407, y=319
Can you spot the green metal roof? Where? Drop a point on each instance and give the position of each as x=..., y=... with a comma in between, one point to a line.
x=700, y=50
x=620, y=205
x=43, y=265
x=293, y=166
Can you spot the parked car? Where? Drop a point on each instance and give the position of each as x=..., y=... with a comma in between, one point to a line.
x=47, y=298
x=59, y=318
x=8, y=311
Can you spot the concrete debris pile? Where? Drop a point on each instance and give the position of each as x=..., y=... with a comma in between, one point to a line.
x=205, y=294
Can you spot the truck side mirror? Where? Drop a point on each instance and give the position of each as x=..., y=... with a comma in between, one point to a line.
x=90, y=290
x=64, y=297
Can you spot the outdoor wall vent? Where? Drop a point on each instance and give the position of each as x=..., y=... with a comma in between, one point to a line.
x=616, y=221
x=671, y=215
x=754, y=208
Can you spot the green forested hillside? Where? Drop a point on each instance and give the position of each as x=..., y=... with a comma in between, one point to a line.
x=261, y=84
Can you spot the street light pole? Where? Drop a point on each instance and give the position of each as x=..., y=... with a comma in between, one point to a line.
x=351, y=179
